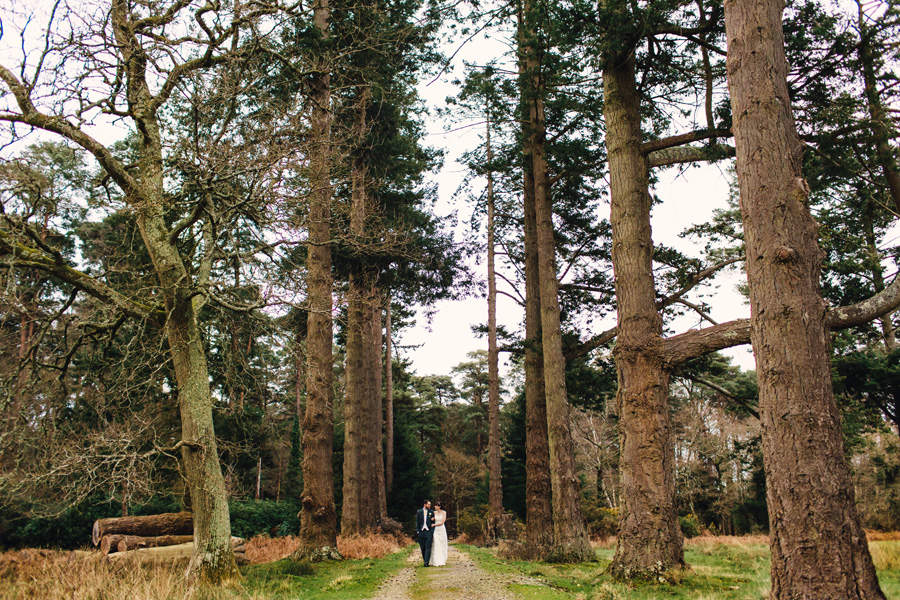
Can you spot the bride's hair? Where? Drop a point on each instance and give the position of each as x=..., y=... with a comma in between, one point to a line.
x=438, y=505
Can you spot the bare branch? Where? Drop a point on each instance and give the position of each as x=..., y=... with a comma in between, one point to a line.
x=24, y=256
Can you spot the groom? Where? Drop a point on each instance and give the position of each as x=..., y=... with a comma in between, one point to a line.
x=425, y=529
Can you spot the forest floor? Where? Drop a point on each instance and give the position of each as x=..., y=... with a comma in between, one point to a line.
x=721, y=568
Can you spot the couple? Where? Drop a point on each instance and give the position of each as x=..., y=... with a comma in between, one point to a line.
x=432, y=534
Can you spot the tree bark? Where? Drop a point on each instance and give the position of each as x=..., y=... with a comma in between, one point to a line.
x=364, y=506
x=570, y=539
x=318, y=521
x=356, y=426
x=818, y=546
x=538, y=489
x=538, y=494
x=361, y=508
x=495, y=489
x=165, y=524
x=388, y=400
x=649, y=538
x=376, y=365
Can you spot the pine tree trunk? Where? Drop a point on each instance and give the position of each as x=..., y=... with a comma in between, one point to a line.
x=376, y=421
x=355, y=416
x=538, y=496
x=819, y=548
x=364, y=506
x=886, y=322
x=495, y=490
x=356, y=513
x=649, y=539
x=388, y=400
x=318, y=526
x=570, y=539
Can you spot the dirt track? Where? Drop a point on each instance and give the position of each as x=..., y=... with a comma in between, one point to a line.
x=461, y=577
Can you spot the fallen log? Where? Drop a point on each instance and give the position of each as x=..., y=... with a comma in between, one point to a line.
x=159, y=553
x=150, y=526
x=124, y=543
x=166, y=552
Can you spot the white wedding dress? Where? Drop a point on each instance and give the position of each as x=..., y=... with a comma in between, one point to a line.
x=439, y=544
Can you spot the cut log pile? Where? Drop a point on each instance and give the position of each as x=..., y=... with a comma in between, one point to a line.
x=169, y=535
x=166, y=524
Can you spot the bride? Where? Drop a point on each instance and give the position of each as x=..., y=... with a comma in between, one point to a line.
x=439, y=543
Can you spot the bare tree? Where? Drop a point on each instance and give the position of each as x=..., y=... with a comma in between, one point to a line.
x=130, y=62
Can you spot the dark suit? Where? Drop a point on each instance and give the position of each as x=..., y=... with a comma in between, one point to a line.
x=425, y=535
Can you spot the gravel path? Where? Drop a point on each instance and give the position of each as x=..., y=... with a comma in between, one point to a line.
x=461, y=577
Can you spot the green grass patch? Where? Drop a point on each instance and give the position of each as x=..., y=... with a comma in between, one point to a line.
x=340, y=580
x=718, y=571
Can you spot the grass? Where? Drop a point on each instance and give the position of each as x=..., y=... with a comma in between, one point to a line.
x=47, y=575
x=344, y=580
x=721, y=569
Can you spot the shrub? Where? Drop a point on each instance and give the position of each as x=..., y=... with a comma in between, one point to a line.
x=471, y=525
x=370, y=545
x=602, y=522
x=255, y=517
x=690, y=526
x=263, y=549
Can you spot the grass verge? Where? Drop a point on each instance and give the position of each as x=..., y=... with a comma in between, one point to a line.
x=344, y=580
x=48, y=575
x=720, y=569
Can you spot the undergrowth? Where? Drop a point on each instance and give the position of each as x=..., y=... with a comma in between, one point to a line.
x=50, y=575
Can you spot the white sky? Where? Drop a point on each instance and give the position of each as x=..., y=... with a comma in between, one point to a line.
x=688, y=199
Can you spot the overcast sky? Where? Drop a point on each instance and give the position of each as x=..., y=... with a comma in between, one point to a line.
x=688, y=198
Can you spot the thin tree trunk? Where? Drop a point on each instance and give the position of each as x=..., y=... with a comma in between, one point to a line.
x=355, y=417
x=882, y=126
x=318, y=527
x=570, y=539
x=478, y=403
x=259, y=477
x=886, y=322
x=376, y=420
x=495, y=490
x=818, y=545
x=649, y=539
x=388, y=400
